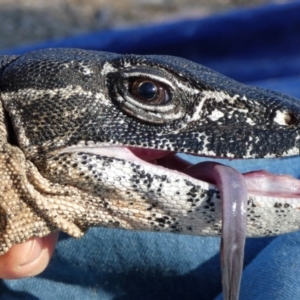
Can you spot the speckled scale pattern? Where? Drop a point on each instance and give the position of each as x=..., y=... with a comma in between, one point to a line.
x=144, y=197
x=58, y=98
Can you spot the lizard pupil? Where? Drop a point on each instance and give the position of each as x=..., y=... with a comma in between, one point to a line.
x=151, y=92
x=147, y=90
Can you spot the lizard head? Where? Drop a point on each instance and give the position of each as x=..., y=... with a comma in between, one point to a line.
x=62, y=97
x=111, y=124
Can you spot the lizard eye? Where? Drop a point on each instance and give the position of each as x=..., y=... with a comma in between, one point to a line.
x=149, y=91
x=150, y=94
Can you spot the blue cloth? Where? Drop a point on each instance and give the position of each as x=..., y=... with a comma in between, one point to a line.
x=259, y=46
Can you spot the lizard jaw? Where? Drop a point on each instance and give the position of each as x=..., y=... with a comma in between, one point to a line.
x=233, y=191
x=234, y=188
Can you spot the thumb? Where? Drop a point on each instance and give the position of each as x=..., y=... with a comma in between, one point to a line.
x=29, y=258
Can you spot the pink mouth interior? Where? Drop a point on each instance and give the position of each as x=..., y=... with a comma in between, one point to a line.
x=258, y=182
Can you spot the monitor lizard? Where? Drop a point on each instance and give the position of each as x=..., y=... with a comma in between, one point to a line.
x=90, y=138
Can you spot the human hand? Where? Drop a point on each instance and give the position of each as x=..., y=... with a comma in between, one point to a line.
x=29, y=258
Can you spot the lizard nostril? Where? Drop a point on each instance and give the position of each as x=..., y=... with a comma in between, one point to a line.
x=289, y=118
x=285, y=118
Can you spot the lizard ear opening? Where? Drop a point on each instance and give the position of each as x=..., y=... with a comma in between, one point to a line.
x=11, y=133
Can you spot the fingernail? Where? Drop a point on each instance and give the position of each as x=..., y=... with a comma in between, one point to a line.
x=35, y=248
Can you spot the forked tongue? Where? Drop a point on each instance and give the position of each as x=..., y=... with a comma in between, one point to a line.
x=233, y=190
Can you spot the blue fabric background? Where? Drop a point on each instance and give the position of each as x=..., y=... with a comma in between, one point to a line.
x=259, y=46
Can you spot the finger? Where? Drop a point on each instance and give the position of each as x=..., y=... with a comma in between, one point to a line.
x=29, y=258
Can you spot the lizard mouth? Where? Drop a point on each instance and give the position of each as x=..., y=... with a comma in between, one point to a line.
x=233, y=190
x=233, y=186
x=259, y=182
